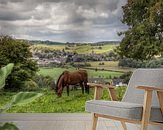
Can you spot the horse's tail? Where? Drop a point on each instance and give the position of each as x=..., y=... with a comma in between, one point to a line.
x=84, y=74
x=85, y=80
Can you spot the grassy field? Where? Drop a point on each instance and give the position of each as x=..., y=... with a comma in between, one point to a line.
x=109, y=65
x=50, y=47
x=82, y=49
x=49, y=102
x=55, y=72
x=87, y=49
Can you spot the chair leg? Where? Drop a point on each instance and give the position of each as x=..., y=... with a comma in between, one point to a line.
x=144, y=127
x=124, y=125
x=146, y=110
x=94, y=121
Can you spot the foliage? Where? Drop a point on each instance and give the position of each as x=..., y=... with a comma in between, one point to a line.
x=17, y=52
x=44, y=81
x=8, y=126
x=113, y=56
x=24, y=97
x=120, y=92
x=144, y=37
x=81, y=65
x=4, y=72
x=126, y=77
x=129, y=62
x=30, y=85
x=19, y=99
x=50, y=103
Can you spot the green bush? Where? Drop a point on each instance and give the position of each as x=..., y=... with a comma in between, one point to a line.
x=44, y=81
x=129, y=62
x=17, y=52
x=30, y=85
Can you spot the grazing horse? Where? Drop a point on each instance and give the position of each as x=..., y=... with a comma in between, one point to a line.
x=72, y=78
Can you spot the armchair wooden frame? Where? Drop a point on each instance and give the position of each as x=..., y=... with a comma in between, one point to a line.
x=146, y=107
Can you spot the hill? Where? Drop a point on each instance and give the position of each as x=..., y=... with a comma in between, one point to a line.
x=47, y=42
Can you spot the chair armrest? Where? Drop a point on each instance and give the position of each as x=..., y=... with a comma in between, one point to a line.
x=148, y=101
x=148, y=88
x=98, y=90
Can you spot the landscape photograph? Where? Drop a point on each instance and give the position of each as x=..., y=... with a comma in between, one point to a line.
x=64, y=63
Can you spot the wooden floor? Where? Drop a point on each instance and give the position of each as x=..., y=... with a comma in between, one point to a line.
x=53, y=121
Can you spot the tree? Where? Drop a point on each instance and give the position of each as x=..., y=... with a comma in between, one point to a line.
x=144, y=37
x=17, y=52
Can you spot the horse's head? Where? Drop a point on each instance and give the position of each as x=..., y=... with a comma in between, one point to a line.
x=62, y=81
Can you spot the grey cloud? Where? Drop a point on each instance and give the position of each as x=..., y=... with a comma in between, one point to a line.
x=11, y=16
x=63, y=20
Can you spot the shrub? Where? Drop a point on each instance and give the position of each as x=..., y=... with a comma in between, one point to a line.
x=129, y=62
x=44, y=81
x=30, y=85
x=17, y=52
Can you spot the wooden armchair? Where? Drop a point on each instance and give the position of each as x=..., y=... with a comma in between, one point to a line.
x=138, y=107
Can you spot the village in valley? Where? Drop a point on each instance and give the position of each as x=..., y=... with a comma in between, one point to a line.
x=45, y=56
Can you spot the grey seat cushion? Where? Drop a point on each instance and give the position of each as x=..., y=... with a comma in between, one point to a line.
x=125, y=110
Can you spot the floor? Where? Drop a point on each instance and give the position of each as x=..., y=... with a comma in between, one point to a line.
x=54, y=121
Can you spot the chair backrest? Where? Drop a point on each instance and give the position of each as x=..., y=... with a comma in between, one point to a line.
x=146, y=77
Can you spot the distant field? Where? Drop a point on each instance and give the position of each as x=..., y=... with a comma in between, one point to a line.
x=82, y=49
x=108, y=65
x=55, y=72
x=50, y=47
x=87, y=49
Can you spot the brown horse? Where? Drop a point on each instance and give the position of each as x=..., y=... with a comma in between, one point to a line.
x=72, y=78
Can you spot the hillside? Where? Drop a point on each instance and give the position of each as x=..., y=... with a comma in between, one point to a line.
x=79, y=48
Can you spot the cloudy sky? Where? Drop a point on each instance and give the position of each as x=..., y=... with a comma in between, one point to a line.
x=62, y=20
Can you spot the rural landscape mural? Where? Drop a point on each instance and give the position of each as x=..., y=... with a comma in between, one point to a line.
x=89, y=41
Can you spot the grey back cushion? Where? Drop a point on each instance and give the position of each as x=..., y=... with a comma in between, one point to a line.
x=143, y=77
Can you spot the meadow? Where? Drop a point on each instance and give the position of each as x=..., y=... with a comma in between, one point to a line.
x=49, y=102
x=107, y=65
x=55, y=72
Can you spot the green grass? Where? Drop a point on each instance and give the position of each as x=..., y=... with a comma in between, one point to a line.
x=55, y=72
x=50, y=103
x=5, y=97
x=105, y=48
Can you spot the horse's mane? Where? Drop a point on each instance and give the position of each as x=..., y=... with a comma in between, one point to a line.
x=59, y=80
